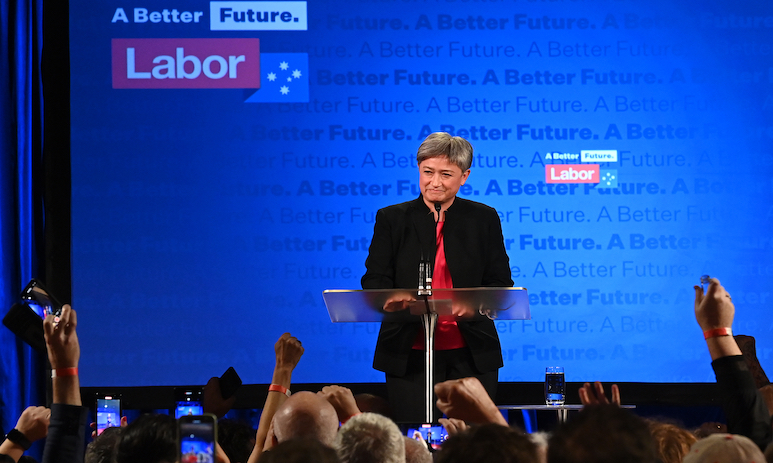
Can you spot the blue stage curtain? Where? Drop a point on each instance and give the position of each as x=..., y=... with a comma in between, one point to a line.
x=20, y=153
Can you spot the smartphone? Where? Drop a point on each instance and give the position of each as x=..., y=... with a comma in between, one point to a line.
x=40, y=300
x=229, y=383
x=24, y=323
x=187, y=402
x=705, y=282
x=108, y=411
x=432, y=434
x=197, y=435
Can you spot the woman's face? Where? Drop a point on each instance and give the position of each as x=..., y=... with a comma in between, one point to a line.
x=440, y=179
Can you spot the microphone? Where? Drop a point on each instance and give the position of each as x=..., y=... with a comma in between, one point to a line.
x=425, y=266
x=425, y=278
x=425, y=269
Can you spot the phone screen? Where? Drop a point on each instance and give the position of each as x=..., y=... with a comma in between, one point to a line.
x=188, y=409
x=40, y=300
x=187, y=402
x=197, y=438
x=108, y=413
x=434, y=434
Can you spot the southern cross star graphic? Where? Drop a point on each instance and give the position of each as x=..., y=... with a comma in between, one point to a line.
x=608, y=178
x=284, y=66
x=284, y=79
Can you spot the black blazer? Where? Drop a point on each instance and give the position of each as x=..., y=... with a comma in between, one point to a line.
x=475, y=253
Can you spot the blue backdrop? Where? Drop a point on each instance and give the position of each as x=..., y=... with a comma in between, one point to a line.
x=228, y=159
x=21, y=153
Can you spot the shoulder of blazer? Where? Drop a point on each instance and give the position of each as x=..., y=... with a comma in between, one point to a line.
x=466, y=208
x=409, y=207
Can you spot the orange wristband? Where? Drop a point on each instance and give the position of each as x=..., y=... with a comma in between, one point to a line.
x=344, y=421
x=59, y=372
x=717, y=332
x=279, y=388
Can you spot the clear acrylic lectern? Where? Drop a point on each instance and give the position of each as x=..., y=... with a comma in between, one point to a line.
x=410, y=305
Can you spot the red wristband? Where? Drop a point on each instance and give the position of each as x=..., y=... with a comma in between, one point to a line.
x=344, y=421
x=59, y=372
x=279, y=388
x=717, y=332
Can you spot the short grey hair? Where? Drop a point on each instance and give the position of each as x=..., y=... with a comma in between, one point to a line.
x=370, y=438
x=442, y=144
x=416, y=451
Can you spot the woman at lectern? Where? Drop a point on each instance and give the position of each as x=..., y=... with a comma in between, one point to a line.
x=463, y=241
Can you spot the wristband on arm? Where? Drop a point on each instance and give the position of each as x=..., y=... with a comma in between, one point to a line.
x=344, y=421
x=279, y=388
x=18, y=438
x=59, y=372
x=717, y=332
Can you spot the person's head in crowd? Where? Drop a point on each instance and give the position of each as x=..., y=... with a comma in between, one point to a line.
x=300, y=451
x=724, y=448
x=236, y=439
x=373, y=404
x=488, y=443
x=370, y=438
x=708, y=428
x=672, y=442
x=149, y=439
x=540, y=439
x=416, y=451
x=102, y=448
x=603, y=434
x=305, y=414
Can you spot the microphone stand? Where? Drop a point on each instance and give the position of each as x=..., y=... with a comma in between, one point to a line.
x=429, y=323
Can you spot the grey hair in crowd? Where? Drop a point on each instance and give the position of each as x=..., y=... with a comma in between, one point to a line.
x=416, y=451
x=370, y=438
x=724, y=448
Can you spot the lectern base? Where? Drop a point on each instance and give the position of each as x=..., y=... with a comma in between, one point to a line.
x=406, y=393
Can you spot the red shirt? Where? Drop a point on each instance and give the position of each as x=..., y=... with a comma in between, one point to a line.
x=447, y=334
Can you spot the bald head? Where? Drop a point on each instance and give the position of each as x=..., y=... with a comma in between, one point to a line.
x=306, y=415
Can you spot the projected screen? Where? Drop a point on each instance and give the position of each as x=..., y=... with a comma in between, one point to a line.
x=229, y=157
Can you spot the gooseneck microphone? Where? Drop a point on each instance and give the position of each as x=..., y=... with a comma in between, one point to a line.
x=425, y=277
x=425, y=265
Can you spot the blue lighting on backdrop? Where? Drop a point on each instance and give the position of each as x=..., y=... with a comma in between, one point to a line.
x=228, y=159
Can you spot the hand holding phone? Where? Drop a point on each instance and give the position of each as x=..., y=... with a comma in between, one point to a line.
x=107, y=412
x=197, y=435
x=25, y=319
x=40, y=300
x=705, y=281
x=229, y=383
x=220, y=393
